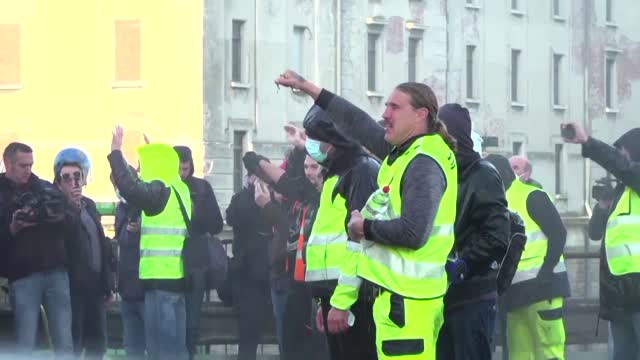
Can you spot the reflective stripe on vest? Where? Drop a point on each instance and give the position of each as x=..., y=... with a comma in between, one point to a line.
x=622, y=238
x=162, y=237
x=163, y=231
x=532, y=273
x=327, y=243
x=160, y=252
x=415, y=273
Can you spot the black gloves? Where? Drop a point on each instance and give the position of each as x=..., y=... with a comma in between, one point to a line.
x=251, y=161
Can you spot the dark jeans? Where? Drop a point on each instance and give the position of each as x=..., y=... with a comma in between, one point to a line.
x=88, y=325
x=193, y=300
x=133, y=337
x=252, y=305
x=50, y=289
x=357, y=343
x=625, y=332
x=165, y=325
x=467, y=332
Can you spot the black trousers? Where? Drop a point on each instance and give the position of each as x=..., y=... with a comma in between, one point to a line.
x=300, y=339
x=253, y=309
x=359, y=342
x=89, y=324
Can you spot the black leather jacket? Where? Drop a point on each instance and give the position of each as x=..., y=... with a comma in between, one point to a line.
x=619, y=295
x=482, y=231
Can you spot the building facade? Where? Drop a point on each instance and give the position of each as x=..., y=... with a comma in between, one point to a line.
x=521, y=67
x=71, y=70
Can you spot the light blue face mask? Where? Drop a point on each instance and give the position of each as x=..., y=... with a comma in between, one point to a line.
x=313, y=149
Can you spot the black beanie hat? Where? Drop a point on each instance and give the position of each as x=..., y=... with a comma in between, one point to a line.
x=501, y=164
x=458, y=122
x=631, y=141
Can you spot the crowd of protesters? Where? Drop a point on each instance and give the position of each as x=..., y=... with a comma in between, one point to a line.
x=371, y=240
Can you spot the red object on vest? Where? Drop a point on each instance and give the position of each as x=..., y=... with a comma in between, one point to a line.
x=299, y=268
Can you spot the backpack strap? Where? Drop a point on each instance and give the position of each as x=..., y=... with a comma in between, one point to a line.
x=187, y=221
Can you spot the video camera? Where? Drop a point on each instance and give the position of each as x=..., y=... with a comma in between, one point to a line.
x=603, y=189
x=45, y=206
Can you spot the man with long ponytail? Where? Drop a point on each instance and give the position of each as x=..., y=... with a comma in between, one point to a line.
x=402, y=254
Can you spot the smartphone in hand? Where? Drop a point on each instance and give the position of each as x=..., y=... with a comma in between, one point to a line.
x=568, y=131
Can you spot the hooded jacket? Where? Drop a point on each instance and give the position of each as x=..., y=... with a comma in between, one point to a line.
x=482, y=224
x=548, y=284
x=203, y=199
x=357, y=172
x=619, y=295
x=149, y=196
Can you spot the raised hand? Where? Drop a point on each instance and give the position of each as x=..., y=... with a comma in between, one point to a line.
x=116, y=138
x=295, y=135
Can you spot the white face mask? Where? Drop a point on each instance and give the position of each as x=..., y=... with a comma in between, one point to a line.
x=477, y=142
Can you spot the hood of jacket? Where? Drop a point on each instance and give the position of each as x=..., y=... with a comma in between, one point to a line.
x=158, y=162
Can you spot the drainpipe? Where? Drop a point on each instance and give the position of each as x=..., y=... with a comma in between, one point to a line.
x=448, y=56
x=338, y=47
x=316, y=41
x=587, y=117
x=587, y=124
x=255, y=67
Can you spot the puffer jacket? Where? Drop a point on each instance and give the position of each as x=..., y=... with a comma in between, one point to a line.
x=482, y=231
x=619, y=295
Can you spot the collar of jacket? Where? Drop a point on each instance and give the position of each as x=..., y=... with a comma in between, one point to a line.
x=5, y=182
x=342, y=160
x=402, y=148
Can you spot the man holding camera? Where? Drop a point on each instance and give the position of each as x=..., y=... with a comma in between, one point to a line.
x=32, y=238
x=616, y=220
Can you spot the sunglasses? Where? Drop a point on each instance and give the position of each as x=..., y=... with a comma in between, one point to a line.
x=70, y=177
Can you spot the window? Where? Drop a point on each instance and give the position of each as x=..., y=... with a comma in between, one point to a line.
x=557, y=79
x=556, y=8
x=609, y=10
x=236, y=51
x=559, y=169
x=610, y=81
x=297, y=61
x=372, y=61
x=9, y=54
x=517, y=148
x=238, y=151
x=471, y=49
x=128, y=44
x=413, y=54
x=515, y=75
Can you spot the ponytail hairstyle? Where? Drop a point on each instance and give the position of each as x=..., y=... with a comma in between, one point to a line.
x=421, y=96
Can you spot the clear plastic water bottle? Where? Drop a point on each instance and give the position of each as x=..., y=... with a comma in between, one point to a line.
x=376, y=208
x=377, y=205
